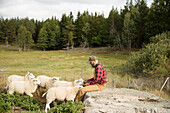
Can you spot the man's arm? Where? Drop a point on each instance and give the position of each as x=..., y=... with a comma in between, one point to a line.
x=98, y=73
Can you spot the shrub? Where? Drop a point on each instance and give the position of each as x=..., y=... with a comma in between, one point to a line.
x=153, y=58
x=69, y=107
x=29, y=103
x=25, y=102
x=4, y=107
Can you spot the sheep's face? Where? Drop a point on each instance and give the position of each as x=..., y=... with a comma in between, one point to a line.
x=36, y=81
x=29, y=75
x=80, y=87
x=79, y=81
x=55, y=79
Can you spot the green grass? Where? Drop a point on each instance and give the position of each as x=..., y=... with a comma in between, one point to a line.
x=58, y=63
x=72, y=64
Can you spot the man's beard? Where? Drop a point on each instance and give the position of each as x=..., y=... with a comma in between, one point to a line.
x=93, y=65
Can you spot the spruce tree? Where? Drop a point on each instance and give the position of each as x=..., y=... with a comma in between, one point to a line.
x=42, y=39
x=24, y=38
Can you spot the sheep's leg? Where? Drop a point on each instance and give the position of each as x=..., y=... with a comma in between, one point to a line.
x=10, y=91
x=29, y=94
x=7, y=91
x=47, y=107
x=38, y=90
x=49, y=100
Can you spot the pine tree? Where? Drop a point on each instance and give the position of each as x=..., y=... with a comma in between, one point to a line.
x=85, y=29
x=85, y=37
x=49, y=36
x=126, y=35
x=57, y=35
x=140, y=26
x=64, y=32
x=70, y=30
x=24, y=38
x=114, y=29
x=29, y=24
x=96, y=30
x=78, y=29
x=38, y=26
x=158, y=18
x=42, y=39
x=50, y=28
x=12, y=27
x=134, y=17
x=1, y=30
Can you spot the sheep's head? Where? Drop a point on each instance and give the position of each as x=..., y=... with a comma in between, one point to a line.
x=55, y=79
x=36, y=81
x=79, y=82
x=80, y=87
x=29, y=76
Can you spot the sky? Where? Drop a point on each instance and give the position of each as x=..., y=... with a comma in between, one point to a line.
x=43, y=9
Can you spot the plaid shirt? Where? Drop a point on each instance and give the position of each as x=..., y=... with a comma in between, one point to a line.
x=100, y=75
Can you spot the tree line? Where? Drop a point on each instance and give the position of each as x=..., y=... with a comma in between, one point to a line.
x=131, y=27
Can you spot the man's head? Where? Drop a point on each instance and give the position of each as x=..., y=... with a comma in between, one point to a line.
x=93, y=61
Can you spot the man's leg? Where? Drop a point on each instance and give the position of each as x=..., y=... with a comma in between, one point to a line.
x=96, y=87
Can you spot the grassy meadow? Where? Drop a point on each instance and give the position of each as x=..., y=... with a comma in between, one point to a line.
x=69, y=65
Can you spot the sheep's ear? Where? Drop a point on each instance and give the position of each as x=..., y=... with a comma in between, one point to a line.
x=34, y=80
x=53, y=78
x=81, y=79
x=76, y=81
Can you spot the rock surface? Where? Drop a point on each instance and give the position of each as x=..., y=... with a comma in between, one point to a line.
x=123, y=100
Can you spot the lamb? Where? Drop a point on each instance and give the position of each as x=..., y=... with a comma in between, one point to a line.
x=22, y=87
x=47, y=82
x=78, y=82
x=12, y=78
x=61, y=94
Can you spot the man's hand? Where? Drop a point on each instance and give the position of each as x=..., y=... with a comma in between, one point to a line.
x=85, y=81
x=86, y=84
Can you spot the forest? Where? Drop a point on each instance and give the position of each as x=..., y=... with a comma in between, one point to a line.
x=131, y=27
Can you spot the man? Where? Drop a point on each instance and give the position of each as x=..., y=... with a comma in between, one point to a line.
x=96, y=83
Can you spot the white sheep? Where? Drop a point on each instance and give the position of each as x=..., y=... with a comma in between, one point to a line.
x=77, y=82
x=61, y=94
x=22, y=87
x=12, y=78
x=47, y=82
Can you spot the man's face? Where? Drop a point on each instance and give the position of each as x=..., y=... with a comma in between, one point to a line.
x=93, y=64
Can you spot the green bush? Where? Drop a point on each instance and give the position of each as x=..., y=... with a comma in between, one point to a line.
x=4, y=107
x=153, y=58
x=29, y=103
x=25, y=102
x=69, y=107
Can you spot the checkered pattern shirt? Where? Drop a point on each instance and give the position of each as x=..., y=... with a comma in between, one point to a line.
x=100, y=75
